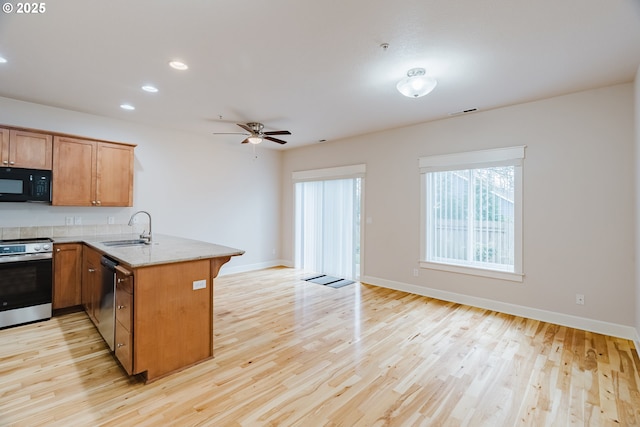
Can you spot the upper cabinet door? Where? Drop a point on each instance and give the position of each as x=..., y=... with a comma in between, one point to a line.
x=92, y=173
x=74, y=171
x=23, y=149
x=114, y=177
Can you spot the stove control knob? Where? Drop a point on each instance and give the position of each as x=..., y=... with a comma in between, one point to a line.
x=36, y=248
x=46, y=246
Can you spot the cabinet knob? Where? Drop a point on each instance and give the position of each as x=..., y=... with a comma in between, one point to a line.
x=120, y=307
x=5, y=162
x=12, y=163
x=98, y=203
x=92, y=270
x=119, y=345
x=58, y=250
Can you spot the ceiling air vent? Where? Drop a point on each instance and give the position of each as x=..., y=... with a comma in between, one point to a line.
x=470, y=110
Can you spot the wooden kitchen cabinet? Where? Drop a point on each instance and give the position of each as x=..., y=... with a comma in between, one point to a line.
x=124, y=318
x=163, y=323
x=91, y=282
x=163, y=307
x=25, y=149
x=91, y=173
x=114, y=175
x=67, y=275
x=173, y=317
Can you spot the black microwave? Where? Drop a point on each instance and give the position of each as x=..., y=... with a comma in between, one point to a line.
x=25, y=185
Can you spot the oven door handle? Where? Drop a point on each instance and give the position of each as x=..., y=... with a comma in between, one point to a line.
x=4, y=259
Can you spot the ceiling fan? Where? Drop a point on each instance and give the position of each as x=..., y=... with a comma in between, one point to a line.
x=256, y=134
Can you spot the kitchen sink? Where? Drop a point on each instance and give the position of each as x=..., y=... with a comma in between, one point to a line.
x=132, y=242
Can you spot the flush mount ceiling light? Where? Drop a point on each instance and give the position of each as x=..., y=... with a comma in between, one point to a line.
x=2, y=60
x=255, y=139
x=178, y=65
x=416, y=84
x=128, y=107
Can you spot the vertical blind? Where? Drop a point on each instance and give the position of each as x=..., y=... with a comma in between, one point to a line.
x=328, y=226
x=470, y=217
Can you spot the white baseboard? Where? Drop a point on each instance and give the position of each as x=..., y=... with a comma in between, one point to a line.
x=252, y=267
x=591, y=325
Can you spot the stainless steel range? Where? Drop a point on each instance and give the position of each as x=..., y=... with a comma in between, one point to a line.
x=26, y=280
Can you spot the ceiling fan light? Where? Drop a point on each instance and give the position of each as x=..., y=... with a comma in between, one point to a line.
x=254, y=139
x=416, y=84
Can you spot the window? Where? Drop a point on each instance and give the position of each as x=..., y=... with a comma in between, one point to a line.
x=472, y=212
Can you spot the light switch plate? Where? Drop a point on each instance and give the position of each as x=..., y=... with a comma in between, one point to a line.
x=199, y=284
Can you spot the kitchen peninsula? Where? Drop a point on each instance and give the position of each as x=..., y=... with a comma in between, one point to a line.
x=163, y=298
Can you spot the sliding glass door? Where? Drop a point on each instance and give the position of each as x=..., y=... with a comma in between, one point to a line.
x=328, y=227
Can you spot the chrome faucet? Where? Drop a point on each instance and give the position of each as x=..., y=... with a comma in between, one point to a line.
x=143, y=236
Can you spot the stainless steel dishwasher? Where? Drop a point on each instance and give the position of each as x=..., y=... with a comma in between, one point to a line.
x=107, y=314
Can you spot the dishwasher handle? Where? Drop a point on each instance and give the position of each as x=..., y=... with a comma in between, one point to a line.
x=109, y=263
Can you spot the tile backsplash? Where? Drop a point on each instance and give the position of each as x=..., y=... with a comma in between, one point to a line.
x=68, y=230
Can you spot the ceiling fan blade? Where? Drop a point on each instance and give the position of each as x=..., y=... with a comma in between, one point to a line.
x=279, y=141
x=278, y=132
x=245, y=127
x=245, y=141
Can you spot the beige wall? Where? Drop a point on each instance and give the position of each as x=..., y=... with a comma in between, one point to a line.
x=194, y=186
x=578, y=201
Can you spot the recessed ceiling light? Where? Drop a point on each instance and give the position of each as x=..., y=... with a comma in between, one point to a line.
x=2, y=60
x=178, y=65
x=149, y=88
x=128, y=107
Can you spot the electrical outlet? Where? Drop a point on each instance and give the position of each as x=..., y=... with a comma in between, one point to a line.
x=68, y=220
x=200, y=284
x=111, y=220
x=579, y=299
x=415, y=272
x=77, y=220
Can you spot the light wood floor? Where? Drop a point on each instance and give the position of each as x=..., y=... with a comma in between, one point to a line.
x=288, y=352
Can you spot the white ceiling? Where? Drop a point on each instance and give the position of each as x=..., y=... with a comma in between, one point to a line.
x=315, y=68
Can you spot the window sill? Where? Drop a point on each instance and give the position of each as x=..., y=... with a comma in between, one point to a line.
x=503, y=275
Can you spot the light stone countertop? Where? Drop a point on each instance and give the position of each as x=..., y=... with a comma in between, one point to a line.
x=163, y=249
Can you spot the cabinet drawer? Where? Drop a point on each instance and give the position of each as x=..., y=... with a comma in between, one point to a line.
x=124, y=348
x=124, y=279
x=124, y=303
